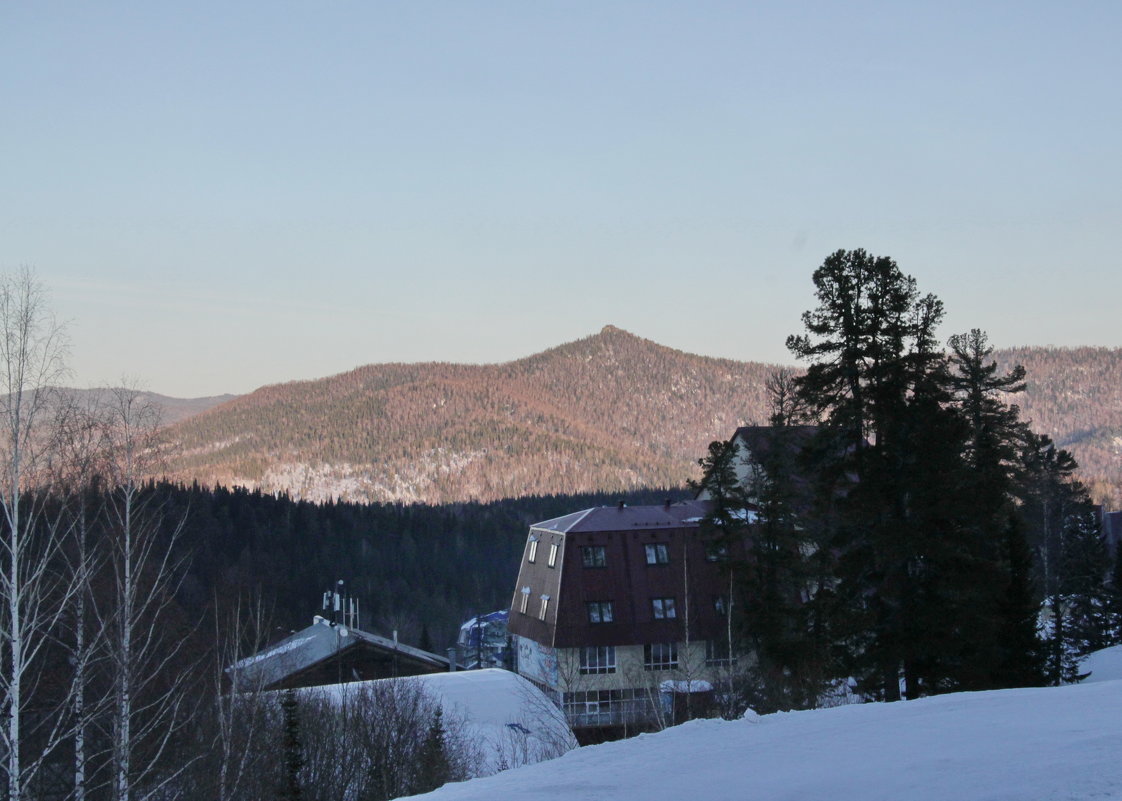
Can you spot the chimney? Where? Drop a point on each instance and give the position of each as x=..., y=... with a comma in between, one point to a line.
x=452, y=659
x=621, y=505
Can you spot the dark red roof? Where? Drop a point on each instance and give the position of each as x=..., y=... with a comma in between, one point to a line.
x=681, y=514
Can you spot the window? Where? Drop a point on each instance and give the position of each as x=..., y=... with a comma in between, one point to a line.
x=716, y=552
x=598, y=659
x=544, y=608
x=553, y=554
x=663, y=608
x=533, y=553
x=593, y=556
x=525, y=600
x=717, y=653
x=658, y=553
x=660, y=656
x=602, y=707
x=599, y=611
x=721, y=604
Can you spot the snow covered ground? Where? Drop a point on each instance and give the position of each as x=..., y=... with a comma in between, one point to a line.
x=509, y=718
x=1104, y=665
x=1017, y=745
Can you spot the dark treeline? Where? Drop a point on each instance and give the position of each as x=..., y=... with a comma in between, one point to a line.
x=417, y=568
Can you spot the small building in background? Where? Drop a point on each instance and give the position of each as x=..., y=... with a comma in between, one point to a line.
x=330, y=653
x=484, y=642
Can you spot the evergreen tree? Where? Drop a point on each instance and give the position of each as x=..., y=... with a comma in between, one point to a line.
x=876, y=380
x=1083, y=588
x=782, y=615
x=1005, y=646
x=1072, y=560
x=1020, y=653
x=292, y=747
x=434, y=769
x=425, y=643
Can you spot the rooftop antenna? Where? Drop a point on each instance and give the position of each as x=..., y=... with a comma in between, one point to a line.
x=345, y=610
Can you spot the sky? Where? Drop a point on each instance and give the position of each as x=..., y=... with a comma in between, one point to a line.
x=219, y=196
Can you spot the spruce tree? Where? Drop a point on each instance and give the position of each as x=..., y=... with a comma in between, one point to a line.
x=433, y=769
x=1020, y=653
x=292, y=748
x=1005, y=648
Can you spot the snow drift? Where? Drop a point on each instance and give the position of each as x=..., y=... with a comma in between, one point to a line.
x=1038, y=744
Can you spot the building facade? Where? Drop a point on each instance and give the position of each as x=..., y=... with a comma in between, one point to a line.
x=623, y=613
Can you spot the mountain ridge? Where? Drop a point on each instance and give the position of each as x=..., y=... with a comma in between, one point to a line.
x=608, y=412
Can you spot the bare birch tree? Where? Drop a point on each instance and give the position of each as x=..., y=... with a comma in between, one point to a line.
x=147, y=660
x=32, y=594
x=240, y=711
x=81, y=452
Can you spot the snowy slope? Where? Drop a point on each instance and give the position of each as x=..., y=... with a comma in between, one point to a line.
x=507, y=717
x=1017, y=745
x=1104, y=665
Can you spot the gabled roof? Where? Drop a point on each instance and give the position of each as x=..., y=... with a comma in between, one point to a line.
x=682, y=514
x=315, y=644
x=760, y=440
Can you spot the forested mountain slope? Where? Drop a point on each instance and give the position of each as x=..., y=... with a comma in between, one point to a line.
x=608, y=412
x=1074, y=395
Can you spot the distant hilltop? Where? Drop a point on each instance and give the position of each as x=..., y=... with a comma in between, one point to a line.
x=609, y=412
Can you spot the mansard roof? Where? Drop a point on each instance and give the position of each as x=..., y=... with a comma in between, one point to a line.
x=679, y=514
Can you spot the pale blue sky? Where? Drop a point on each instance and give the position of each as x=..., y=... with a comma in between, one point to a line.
x=223, y=195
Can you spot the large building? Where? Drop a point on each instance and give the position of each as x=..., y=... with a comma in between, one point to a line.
x=620, y=611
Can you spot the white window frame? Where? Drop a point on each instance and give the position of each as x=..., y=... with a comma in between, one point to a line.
x=544, y=610
x=532, y=555
x=599, y=612
x=593, y=563
x=664, y=608
x=658, y=553
x=552, y=554
x=525, y=602
x=665, y=658
x=597, y=659
x=717, y=652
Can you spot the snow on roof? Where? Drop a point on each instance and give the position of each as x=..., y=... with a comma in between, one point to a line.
x=508, y=717
x=501, y=616
x=1044, y=744
x=309, y=646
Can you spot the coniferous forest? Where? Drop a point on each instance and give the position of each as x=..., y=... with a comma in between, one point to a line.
x=920, y=537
